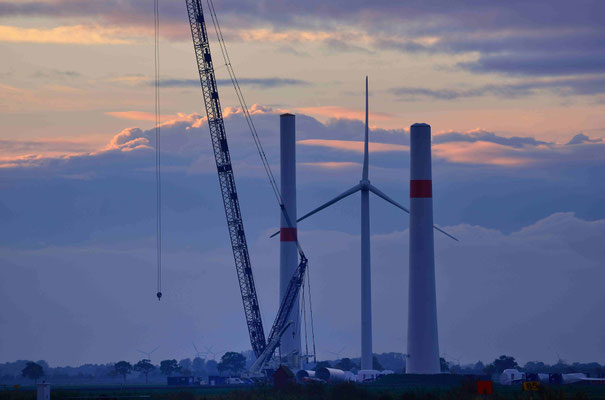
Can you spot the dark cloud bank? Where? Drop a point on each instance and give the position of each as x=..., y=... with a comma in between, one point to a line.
x=78, y=243
x=538, y=38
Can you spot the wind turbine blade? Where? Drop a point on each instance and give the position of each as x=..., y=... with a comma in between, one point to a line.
x=328, y=204
x=154, y=349
x=334, y=200
x=365, y=145
x=445, y=233
x=379, y=193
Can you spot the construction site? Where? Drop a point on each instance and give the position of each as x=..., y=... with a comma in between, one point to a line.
x=283, y=360
x=282, y=346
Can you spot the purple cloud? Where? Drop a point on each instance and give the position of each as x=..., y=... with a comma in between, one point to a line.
x=541, y=38
x=577, y=86
x=264, y=83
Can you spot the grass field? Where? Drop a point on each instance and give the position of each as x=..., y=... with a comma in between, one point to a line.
x=310, y=392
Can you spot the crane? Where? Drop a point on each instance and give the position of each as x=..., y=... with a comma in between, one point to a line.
x=262, y=349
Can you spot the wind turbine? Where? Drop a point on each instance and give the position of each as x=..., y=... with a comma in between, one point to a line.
x=198, y=353
x=338, y=353
x=209, y=352
x=148, y=353
x=365, y=187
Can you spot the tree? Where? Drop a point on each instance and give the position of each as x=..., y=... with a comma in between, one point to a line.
x=376, y=364
x=322, y=364
x=211, y=367
x=479, y=367
x=535, y=366
x=391, y=361
x=32, y=371
x=169, y=367
x=500, y=364
x=233, y=362
x=145, y=367
x=345, y=364
x=444, y=366
x=185, y=365
x=122, y=368
x=198, y=366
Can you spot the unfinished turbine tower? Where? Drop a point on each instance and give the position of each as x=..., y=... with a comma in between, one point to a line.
x=423, y=341
x=288, y=252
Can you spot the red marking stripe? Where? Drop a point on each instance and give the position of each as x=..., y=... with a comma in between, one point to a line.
x=288, y=234
x=421, y=188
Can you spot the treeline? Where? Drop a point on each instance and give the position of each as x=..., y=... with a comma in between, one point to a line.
x=503, y=362
x=142, y=371
x=233, y=363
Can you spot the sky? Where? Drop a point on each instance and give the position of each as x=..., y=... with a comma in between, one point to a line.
x=515, y=96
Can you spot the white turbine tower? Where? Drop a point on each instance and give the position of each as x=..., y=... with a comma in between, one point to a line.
x=365, y=187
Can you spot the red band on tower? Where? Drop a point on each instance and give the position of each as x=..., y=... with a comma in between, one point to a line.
x=288, y=235
x=421, y=188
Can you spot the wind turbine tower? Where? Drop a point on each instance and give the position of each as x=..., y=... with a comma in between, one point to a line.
x=423, y=341
x=290, y=345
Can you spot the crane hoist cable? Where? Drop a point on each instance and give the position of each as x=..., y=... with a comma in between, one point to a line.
x=247, y=116
x=311, y=314
x=158, y=163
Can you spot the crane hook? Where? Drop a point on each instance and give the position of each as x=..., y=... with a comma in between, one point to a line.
x=159, y=294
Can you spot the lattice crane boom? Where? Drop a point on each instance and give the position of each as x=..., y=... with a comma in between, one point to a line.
x=225, y=175
x=263, y=351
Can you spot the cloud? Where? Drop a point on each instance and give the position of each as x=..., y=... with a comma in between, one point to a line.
x=331, y=164
x=480, y=153
x=480, y=147
x=520, y=39
x=57, y=74
x=353, y=146
x=10, y=149
x=145, y=116
x=264, y=83
x=91, y=216
x=582, y=138
x=343, y=112
x=477, y=147
x=479, y=135
x=539, y=64
x=96, y=186
x=75, y=34
x=579, y=86
x=475, y=277
x=471, y=147
x=287, y=36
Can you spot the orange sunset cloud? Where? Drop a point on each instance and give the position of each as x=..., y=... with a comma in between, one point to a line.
x=356, y=146
x=480, y=153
